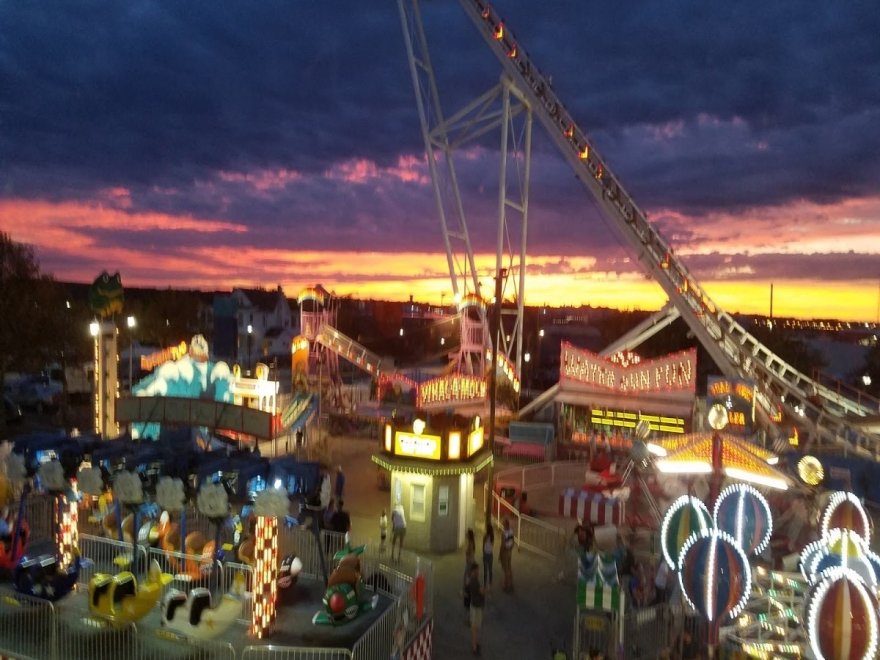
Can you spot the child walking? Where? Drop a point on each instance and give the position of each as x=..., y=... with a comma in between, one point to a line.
x=488, y=549
x=383, y=531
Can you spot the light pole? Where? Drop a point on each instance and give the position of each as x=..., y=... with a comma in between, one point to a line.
x=131, y=322
x=494, y=328
x=250, y=331
x=538, y=356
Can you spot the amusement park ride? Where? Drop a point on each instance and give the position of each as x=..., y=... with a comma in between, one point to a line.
x=524, y=92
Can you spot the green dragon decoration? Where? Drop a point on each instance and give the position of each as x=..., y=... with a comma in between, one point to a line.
x=106, y=295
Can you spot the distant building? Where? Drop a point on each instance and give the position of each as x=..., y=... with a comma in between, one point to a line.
x=253, y=325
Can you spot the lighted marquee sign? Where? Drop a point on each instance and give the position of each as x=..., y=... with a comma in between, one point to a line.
x=153, y=360
x=676, y=372
x=454, y=388
x=626, y=419
x=454, y=445
x=418, y=446
x=738, y=397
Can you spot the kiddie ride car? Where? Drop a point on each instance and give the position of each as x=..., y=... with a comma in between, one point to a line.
x=345, y=597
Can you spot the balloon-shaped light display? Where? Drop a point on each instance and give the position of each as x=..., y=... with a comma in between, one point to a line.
x=685, y=516
x=842, y=617
x=845, y=511
x=744, y=513
x=714, y=574
x=839, y=548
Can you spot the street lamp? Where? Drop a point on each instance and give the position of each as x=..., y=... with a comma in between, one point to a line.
x=131, y=322
x=250, y=331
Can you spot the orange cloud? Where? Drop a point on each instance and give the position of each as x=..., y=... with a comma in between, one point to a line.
x=408, y=169
x=62, y=230
x=263, y=180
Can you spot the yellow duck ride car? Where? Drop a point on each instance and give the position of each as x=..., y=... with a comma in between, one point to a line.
x=120, y=600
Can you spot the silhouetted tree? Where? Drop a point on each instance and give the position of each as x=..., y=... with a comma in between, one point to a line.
x=31, y=320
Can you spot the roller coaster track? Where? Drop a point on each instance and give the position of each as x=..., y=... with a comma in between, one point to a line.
x=831, y=416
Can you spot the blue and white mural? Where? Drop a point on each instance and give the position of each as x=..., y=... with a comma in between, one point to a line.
x=192, y=376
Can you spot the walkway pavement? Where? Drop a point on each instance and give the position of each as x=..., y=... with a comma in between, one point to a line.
x=527, y=624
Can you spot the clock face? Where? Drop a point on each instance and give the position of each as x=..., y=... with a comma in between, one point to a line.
x=717, y=416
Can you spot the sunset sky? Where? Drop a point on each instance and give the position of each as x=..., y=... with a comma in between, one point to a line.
x=220, y=144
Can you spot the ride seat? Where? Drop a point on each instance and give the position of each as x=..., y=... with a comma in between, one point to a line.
x=174, y=600
x=199, y=601
x=126, y=585
x=100, y=584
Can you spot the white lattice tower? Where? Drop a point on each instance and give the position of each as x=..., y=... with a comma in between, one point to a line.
x=501, y=109
x=317, y=308
x=831, y=415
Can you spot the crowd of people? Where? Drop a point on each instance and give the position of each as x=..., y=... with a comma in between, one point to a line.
x=474, y=589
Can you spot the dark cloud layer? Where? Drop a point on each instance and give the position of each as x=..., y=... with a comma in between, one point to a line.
x=698, y=107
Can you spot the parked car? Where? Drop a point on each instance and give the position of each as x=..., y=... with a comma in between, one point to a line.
x=12, y=411
x=37, y=393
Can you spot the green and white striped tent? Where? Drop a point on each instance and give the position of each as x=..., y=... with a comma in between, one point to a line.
x=597, y=595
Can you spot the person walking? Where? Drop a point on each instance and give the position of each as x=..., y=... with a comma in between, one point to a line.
x=340, y=482
x=340, y=521
x=477, y=598
x=488, y=555
x=327, y=515
x=383, y=531
x=398, y=530
x=505, y=554
x=470, y=550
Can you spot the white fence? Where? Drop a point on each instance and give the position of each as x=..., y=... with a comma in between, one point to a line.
x=270, y=652
x=540, y=536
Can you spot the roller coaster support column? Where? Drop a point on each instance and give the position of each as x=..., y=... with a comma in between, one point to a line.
x=494, y=328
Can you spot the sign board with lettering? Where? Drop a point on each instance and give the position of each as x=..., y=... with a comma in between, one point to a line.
x=451, y=390
x=672, y=373
x=418, y=446
x=738, y=397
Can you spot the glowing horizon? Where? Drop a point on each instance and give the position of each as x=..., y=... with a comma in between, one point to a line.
x=394, y=277
x=154, y=249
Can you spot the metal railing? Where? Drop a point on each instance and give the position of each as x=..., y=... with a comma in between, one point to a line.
x=108, y=556
x=595, y=630
x=270, y=652
x=229, y=573
x=80, y=638
x=530, y=533
x=534, y=534
x=27, y=626
x=32, y=628
x=165, y=645
x=378, y=640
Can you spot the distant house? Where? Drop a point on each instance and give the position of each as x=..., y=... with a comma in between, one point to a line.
x=253, y=325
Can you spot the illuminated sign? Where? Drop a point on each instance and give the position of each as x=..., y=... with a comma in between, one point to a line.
x=153, y=360
x=417, y=446
x=454, y=388
x=672, y=373
x=737, y=396
x=625, y=419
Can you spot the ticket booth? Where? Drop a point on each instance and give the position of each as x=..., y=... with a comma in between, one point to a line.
x=431, y=475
